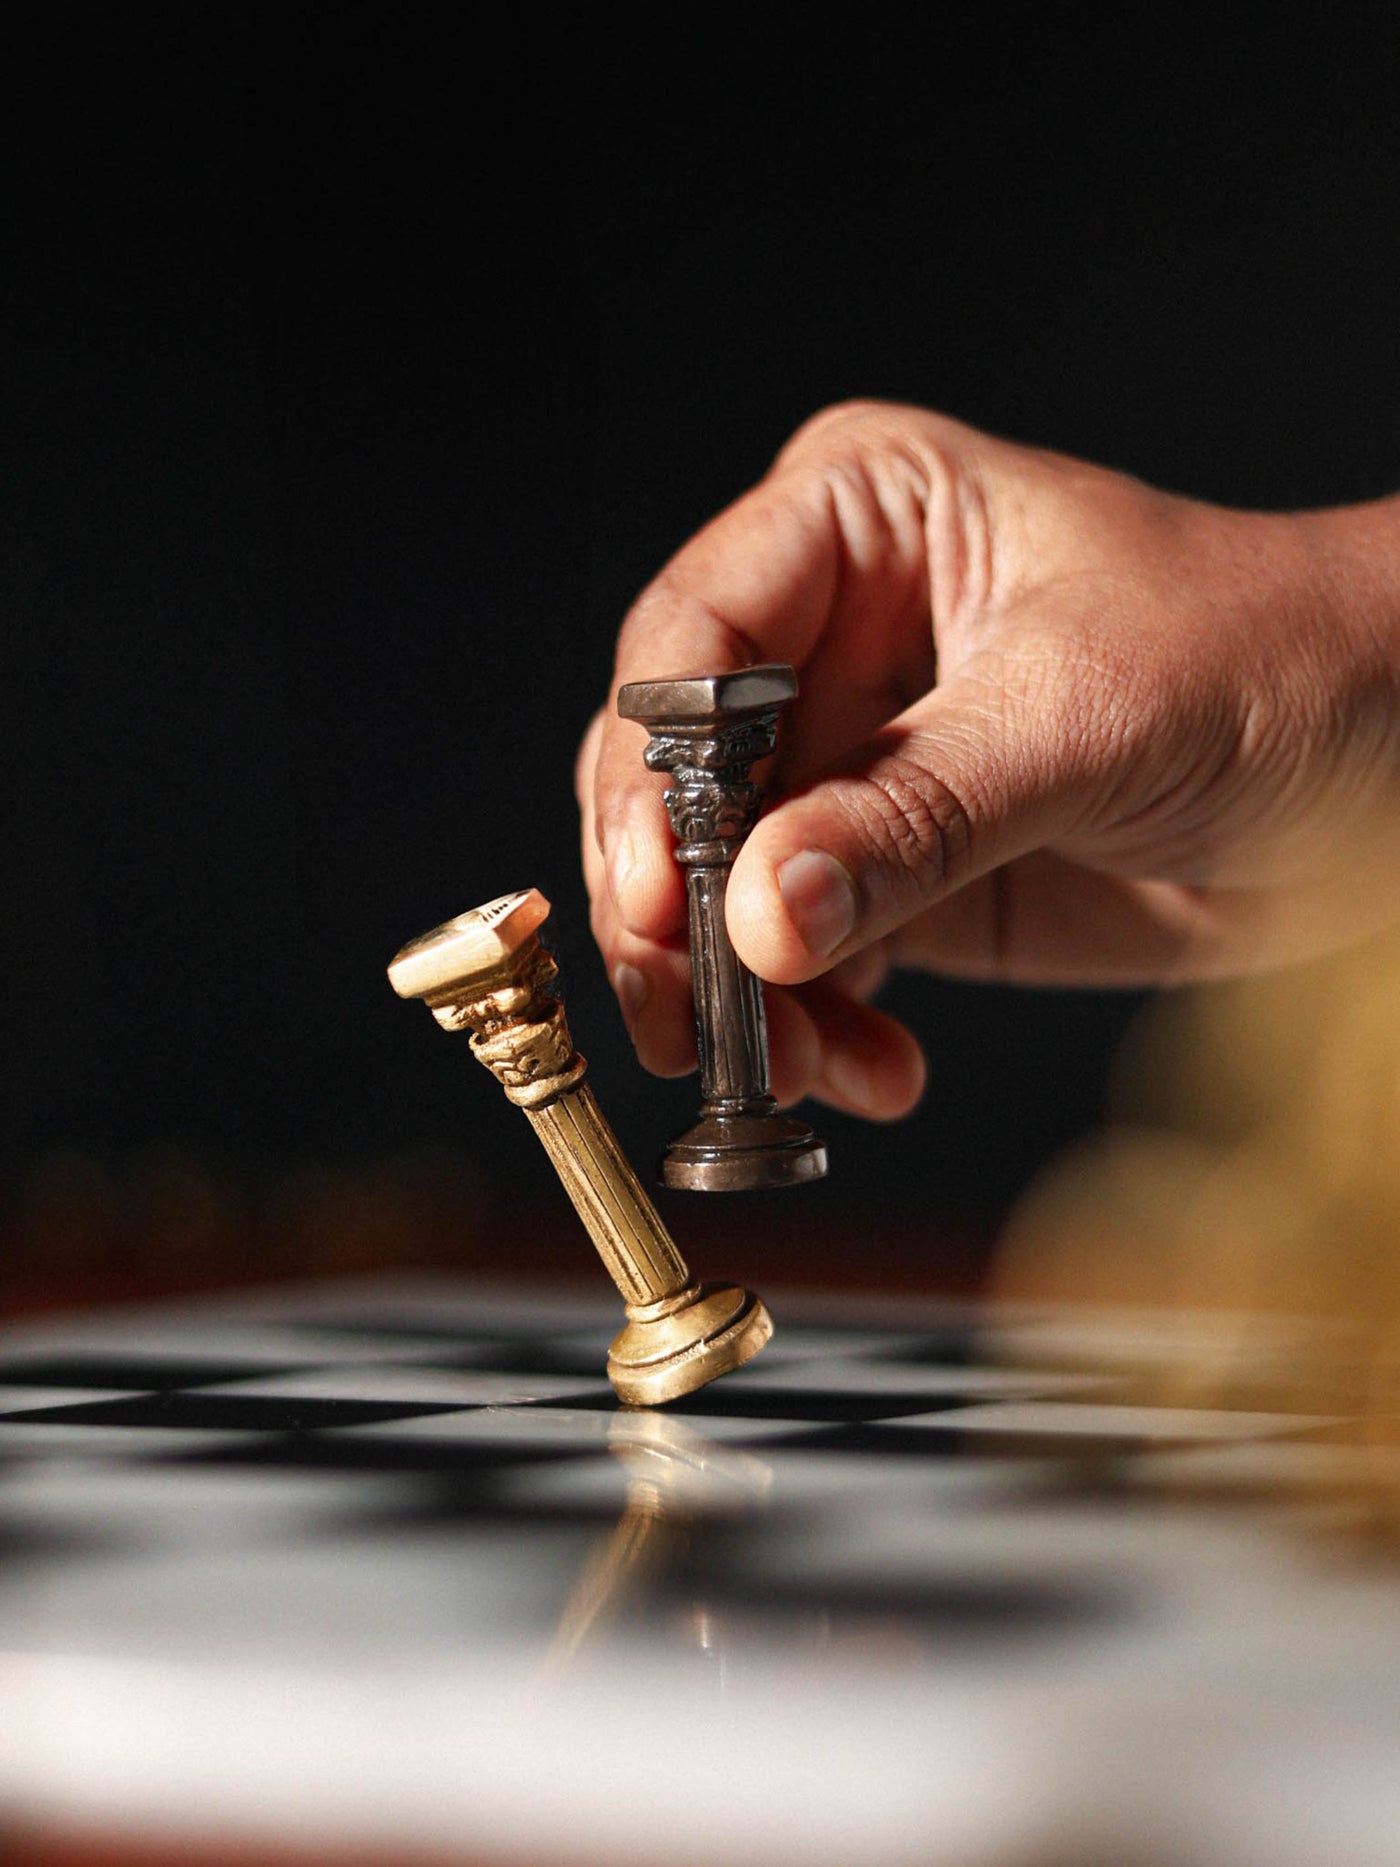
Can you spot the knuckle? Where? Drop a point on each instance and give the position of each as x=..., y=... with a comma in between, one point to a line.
x=677, y=619
x=916, y=823
x=840, y=420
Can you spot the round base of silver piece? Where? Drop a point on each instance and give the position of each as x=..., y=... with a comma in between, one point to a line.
x=743, y=1153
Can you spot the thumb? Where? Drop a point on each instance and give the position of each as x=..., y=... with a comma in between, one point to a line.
x=970, y=777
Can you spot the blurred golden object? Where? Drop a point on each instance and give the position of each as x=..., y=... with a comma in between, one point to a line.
x=1250, y=1176
x=488, y=972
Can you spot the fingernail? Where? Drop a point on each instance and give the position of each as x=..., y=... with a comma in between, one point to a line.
x=630, y=986
x=820, y=899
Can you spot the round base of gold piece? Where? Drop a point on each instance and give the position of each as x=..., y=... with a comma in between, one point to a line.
x=743, y=1153
x=672, y=1347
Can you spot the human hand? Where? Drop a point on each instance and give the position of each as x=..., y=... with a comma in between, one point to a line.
x=1054, y=727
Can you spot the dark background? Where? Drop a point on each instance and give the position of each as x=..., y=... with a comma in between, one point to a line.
x=363, y=364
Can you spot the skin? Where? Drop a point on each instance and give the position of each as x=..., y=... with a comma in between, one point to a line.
x=1054, y=727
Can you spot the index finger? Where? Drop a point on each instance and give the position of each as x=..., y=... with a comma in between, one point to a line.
x=757, y=584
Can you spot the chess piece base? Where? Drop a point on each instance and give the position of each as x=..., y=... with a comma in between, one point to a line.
x=672, y=1347
x=743, y=1153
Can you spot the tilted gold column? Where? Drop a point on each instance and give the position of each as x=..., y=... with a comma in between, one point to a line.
x=488, y=972
x=631, y=1240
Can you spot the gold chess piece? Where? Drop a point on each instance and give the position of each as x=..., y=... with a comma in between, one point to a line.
x=488, y=972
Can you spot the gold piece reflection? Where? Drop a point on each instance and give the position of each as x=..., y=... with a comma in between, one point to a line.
x=1251, y=1179
x=676, y=1479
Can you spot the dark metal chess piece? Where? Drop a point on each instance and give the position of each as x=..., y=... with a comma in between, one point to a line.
x=707, y=732
x=488, y=972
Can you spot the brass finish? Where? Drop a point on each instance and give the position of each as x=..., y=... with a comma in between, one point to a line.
x=707, y=732
x=488, y=972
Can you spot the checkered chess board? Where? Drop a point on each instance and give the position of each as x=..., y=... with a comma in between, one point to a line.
x=385, y=1561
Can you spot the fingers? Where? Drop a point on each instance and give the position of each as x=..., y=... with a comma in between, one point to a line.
x=806, y=569
x=725, y=602
x=650, y=977
x=969, y=778
x=825, y=1041
x=910, y=791
x=1047, y=921
x=828, y=1045
x=831, y=544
